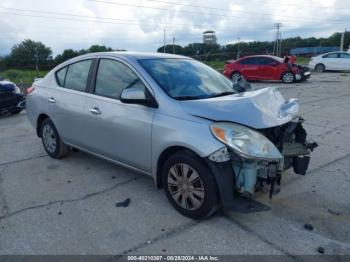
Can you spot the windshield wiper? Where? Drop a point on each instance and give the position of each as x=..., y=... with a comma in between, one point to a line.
x=223, y=94
x=188, y=97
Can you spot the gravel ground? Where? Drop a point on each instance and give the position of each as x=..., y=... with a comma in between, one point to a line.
x=67, y=206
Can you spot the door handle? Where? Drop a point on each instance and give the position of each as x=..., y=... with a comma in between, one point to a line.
x=95, y=111
x=52, y=100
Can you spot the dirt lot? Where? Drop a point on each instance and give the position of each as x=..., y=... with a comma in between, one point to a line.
x=49, y=206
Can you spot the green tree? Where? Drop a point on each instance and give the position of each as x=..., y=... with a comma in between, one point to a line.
x=99, y=48
x=67, y=54
x=28, y=53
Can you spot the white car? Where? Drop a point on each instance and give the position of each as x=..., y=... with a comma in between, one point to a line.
x=330, y=61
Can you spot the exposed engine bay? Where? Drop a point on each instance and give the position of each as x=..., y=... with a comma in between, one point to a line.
x=290, y=140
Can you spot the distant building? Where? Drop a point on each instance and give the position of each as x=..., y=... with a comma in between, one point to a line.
x=310, y=51
x=209, y=38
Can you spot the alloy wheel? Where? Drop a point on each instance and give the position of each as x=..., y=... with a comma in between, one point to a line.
x=235, y=77
x=288, y=78
x=185, y=186
x=49, y=138
x=320, y=68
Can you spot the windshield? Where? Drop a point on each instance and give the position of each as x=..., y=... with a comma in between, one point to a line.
x=185, y=79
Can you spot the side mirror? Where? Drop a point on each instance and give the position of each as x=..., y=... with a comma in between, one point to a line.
x=137, y=95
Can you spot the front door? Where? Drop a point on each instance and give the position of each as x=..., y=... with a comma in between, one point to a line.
x=118, y=131
x=268, y=69
x=344, y=61
x=331, y=61
x=249, y=68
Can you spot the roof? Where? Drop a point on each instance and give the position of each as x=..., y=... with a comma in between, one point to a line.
x=269, y=56
x=134, y=55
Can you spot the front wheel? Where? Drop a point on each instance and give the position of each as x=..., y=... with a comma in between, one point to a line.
x=288, y=77
x=52, y=141
x=189, y=185
x=235, y=76
x=320, y=68
x=16, y=111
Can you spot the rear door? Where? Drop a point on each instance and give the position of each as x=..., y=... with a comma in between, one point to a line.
x=268, y=69
x=118, y=131
x=344, y=61
x=249, y=68
x=67, y=100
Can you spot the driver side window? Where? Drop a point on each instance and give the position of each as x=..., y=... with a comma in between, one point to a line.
x=113, y=77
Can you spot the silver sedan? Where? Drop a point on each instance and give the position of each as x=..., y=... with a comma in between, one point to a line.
x=209, y=142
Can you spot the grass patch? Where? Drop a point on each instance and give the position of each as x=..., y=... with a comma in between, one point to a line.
x=303, y=60
x=22, y=77
x=217, y=65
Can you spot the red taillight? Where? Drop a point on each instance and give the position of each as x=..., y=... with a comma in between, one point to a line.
x=30, y=89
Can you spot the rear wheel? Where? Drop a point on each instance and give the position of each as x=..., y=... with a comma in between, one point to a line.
x=320, y=68
x=52, y=141
x=288, y=77
x=235, y=76
x=189, y=185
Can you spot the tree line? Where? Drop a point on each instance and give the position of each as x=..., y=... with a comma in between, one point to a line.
x=31, y=54
x=224, y=52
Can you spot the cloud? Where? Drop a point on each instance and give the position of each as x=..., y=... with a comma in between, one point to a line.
x=141, y=29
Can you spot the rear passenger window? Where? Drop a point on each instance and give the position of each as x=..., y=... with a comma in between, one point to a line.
x=77, y=75
x=248, y=61
x=113, y=77
x=335, y=55
x=264, y=61
x=61, y=75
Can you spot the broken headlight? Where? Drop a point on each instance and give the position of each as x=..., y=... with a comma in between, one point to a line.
x=244, y=141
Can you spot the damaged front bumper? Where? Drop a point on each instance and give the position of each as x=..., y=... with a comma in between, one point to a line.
x=239, y=178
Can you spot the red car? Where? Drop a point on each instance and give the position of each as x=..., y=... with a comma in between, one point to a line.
x=265, y=67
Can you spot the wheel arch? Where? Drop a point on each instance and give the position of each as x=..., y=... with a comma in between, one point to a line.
x=320, y=63
x=39, y=121
x=166, y=153
x=235, y=71
x=284, y=72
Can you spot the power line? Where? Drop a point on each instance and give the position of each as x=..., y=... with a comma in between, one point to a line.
x=222, y=9
x=317, y=7
x=93, y=19
x=334, y=21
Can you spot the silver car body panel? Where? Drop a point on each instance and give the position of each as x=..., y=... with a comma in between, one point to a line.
x=135, y=135
x=258, y=109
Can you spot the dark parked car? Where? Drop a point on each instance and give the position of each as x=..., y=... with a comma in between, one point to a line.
x=11, y=99
x=265, y=67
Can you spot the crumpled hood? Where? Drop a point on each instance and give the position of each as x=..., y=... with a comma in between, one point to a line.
x=258, y=109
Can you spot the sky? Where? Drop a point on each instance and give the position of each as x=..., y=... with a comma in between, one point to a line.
x=138, y=25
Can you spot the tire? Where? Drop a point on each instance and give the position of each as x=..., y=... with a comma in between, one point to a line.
x=51, y=140
x=199, y=197
x=235, y=76
x=320, y=68
x=16, y=111
x=288, y=77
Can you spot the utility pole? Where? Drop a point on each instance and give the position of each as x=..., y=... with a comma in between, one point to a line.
x=277, y=44
x=342, y=40
x=164, y=40
x=174, y=45
x=280, y=45
x=238, y=51
x=36, y=57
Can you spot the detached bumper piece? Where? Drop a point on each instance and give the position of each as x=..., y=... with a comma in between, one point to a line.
x=10, y=102
x=239, y=179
